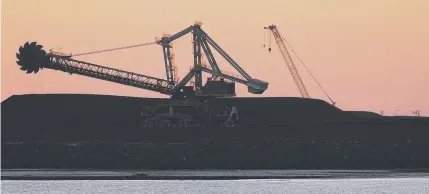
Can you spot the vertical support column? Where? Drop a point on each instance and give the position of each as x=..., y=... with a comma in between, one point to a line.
x=168, y=64
x=166, y=60
x=197, y=63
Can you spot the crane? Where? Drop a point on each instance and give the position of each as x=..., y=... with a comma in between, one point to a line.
x=280, y=40
x=32, y=58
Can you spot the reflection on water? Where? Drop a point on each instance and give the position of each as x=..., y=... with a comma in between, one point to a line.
x=367, y=185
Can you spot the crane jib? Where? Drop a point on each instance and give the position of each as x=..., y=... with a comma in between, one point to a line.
x=280, y=40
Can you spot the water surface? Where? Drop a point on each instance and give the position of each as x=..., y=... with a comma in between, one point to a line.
x=332, y=186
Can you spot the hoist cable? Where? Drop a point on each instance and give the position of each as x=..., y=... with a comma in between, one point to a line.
x=114, y=49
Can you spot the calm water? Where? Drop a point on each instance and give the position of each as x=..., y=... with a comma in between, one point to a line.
x=368, y=185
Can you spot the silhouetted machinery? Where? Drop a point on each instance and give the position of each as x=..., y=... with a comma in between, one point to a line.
x=281, y=43
x=32, y=58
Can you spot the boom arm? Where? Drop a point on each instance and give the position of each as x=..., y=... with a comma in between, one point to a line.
x=289, y=62
x=69, y=65
x=206, y=38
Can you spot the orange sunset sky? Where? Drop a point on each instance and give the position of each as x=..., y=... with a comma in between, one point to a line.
x=368, y=54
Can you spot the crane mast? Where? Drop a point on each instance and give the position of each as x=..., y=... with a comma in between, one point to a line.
x=288, y=59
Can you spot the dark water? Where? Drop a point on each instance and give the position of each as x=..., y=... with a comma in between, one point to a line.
x=343, y=186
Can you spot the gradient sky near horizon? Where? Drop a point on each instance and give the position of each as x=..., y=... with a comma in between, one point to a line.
x=368, y=55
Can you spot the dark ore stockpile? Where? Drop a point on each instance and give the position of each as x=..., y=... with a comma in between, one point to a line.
x=105, y=132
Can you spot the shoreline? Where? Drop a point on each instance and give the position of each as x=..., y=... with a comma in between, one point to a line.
x=72, y=174
x=158, y=177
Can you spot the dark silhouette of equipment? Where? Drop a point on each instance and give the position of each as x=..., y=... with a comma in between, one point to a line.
x=32, y=57
x=281, y=43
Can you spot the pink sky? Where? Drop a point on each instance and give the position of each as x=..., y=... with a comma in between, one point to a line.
x=368, y=55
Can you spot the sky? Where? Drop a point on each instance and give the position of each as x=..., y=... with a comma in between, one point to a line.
x=368, y=55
